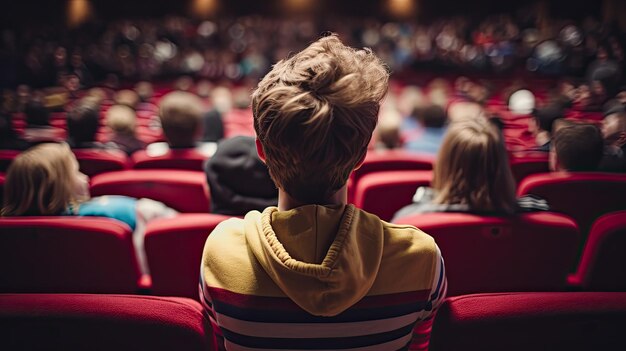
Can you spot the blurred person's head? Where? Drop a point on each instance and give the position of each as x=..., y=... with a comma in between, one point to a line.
x=388, y=129
x=144, y=91
x=432, y=116
x=241, y=98
x=180, y=113
x=121, y=119
x=577, y=148
x=222, y=99
x=43, y=181
x=127, y=97
x=522, y=102
x=82, y=122
x=239, y=181
x=543, y=118
x=314, y=115
x=37, y=115
x=472, y=168
x=464, y=111
x=614, y=129
x=410, y=99
x=97, y=94
x=184, y=83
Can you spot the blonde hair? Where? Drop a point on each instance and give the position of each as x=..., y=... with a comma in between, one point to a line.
x=314, y=114
x=180, y=114
x=121, y=119
x=472, y=168
x=127, y=97
x=39, y=182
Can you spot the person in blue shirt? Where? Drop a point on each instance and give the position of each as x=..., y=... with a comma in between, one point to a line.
x=45, y=181
x=428, y=136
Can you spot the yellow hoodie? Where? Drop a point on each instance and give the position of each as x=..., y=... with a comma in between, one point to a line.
x=331, y=268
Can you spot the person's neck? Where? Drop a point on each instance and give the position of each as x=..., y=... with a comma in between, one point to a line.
x=286, y=202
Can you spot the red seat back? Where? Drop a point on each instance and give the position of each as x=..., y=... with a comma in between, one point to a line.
x=384, y=193
x=174, y=249
x=521, y=167
x=67, y=254
x=101, y=322
x=188, y=159
x=96, y=161
x=184, y=191
x=531, y=321
x=583, y=196
x=527, y=252
x=603, y=263
x=6, y=157
x=2, y=177
x=391, y=160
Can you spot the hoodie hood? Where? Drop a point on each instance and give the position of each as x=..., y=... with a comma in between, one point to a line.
x=325, y=258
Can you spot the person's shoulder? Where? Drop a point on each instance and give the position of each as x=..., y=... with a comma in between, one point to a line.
x=412, y=238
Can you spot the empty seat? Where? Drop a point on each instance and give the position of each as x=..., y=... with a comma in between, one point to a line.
x=6, y=157
x=67, y=254
x=583, y=196
x=531, y=321
x=527, y=252
x=184, y=191
x=101, y=322
x=391, y=160
x=188, y=159
x=96, y=161
x=384, y=193
x=603, y=263
x=174, y=249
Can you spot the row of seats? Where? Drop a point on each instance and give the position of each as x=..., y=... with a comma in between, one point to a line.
x=529, y=252
x=509, y=321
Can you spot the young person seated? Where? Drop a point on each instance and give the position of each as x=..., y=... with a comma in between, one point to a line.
x=238, y=180
x=45, y=181
x=614, y=134
x=122, y=122
x=471, y=174
x=38, y=129
x=316, y=272
x=83, y=124
x=180, y=114
x=577, y=148
x=433, y=120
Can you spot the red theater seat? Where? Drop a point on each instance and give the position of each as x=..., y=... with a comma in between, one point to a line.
x=184, y=191
x=2, y=177
x=384, y=193
x=531, y=321
x=96, y=161
x=526, y=165
x=528, y=252
x=583, y=196
x=391, y=160
x=6, y=157
x=189, y=159
x=603, y=263
x=101, y=322
x=174, y=249
x=67, y=254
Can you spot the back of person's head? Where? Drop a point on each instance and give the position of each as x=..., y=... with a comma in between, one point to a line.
x=388, y=129
x=82, y=122
x=314, y=114
x=37, y=115
x=432, y=116
x=180, y=114
x=472, y=168
x=544, y=117
x=577, y=148
x=239, y=181
x=127, y=97
x=41, y=181
x=614, y=129
x=97, y=94
x=241, y=98
x=144, y=91
x=121, y=119
x=184, y=83
x=522, y=102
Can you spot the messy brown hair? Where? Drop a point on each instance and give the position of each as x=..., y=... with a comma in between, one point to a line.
x=314, y=114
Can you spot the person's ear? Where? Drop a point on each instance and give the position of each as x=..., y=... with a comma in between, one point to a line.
x=360, y=163
x=621, y=139
x=259, y=150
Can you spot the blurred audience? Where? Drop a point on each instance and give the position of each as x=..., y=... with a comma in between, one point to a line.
x=577, y=148
x=614, y=134
x=82, y=125
x=541, y=124
x=428, y=138
x=121, y=119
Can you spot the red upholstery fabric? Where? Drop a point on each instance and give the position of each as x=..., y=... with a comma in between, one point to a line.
x=67, y=254
x=2, y=177
x=174, y=248
x=384, y=193
x=528, y=252
x=391, y=160
x=96, y=161
x=603, y=263
x=6, y=157
x=583, y=196
x=528, y=164
x=531, y=321
x=189, y=159
x=184, y=191
x=101, y=322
